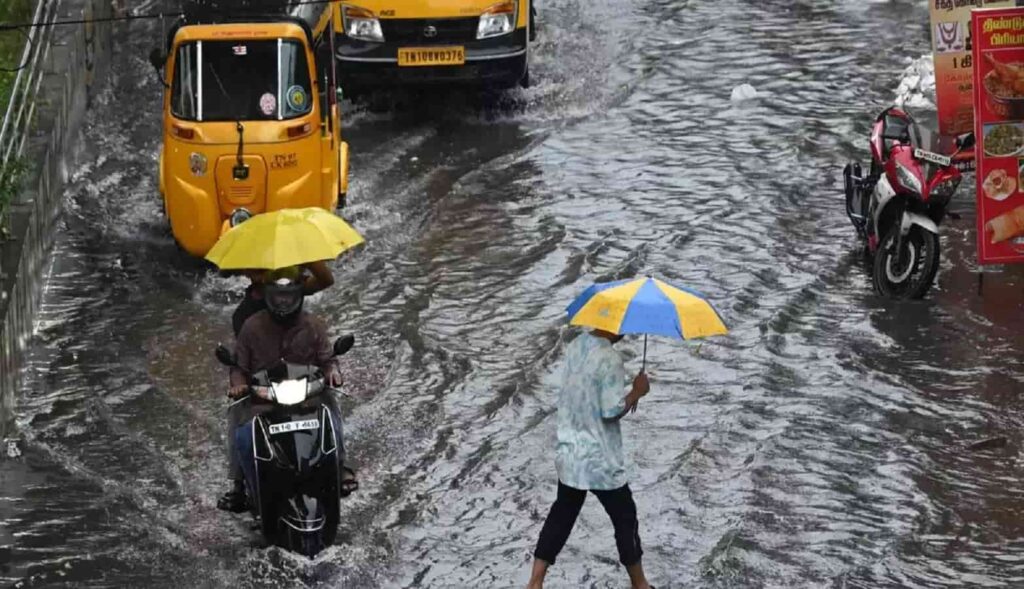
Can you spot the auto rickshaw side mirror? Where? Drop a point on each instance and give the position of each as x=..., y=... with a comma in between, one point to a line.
x=157, y=58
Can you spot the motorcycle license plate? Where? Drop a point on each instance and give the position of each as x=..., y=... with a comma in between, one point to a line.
x=424, y=56
x=934, y=158
x=293, y=426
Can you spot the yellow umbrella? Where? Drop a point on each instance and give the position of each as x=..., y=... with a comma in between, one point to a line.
x=283, y=238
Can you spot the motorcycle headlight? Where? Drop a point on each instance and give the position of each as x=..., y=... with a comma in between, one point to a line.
x=946, y=188
x=907, y=178
x=497, y=20
x=361, y=24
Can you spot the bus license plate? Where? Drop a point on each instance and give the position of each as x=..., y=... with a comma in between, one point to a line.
x=424, y=56
x=293, y=426
x=932, y=157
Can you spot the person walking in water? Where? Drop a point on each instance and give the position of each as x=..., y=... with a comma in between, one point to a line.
x=590, y=456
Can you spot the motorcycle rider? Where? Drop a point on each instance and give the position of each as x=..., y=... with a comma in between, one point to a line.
x=281, y=332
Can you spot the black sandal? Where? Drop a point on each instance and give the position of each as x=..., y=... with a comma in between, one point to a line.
x=233, y=501
x=348, y=483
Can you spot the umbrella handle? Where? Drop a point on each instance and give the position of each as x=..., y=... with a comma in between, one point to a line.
x=644, y=366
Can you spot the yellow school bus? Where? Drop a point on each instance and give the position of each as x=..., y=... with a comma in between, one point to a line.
x=391, y=42
x=250, y=121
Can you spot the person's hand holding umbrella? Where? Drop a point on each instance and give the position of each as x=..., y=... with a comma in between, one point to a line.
x=641, y=386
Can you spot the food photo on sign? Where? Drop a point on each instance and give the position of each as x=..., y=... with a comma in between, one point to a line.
x=998, y=48
x=1004, y=84
x=1000, y=143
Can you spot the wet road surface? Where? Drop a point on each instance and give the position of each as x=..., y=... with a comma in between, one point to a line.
x=821, y=444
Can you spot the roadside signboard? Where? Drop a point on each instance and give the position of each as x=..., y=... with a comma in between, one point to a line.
x=951, y=52
x=998, y=63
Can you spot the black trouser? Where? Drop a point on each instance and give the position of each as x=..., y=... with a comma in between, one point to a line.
x=618, y=503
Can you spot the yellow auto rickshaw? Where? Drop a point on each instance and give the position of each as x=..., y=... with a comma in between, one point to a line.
x=251, y=121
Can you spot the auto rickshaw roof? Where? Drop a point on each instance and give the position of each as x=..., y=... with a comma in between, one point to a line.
x=247, y=29
x=213, y=19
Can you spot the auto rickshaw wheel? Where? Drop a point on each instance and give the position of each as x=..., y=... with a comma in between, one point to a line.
x=167, y=218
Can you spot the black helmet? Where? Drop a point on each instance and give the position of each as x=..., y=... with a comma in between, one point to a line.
x=282, y=291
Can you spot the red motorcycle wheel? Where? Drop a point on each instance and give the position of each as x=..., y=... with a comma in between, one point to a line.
x=911, y=277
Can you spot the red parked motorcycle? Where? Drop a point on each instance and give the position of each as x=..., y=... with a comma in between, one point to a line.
x=898, y=207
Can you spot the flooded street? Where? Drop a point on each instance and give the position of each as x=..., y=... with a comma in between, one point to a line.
x=821, y=444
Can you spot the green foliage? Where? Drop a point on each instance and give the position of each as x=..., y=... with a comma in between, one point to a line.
x=10, y=183
x=12, y=44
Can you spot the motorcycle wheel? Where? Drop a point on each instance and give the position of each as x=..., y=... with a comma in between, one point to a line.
x=308, y=544
x=915, y=276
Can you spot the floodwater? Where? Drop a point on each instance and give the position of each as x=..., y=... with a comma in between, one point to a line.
x=823, y=443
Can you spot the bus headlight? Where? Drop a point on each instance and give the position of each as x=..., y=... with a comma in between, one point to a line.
x=361, y=24
x=497, y=20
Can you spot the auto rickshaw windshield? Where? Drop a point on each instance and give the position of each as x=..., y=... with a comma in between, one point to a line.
x=245, y=80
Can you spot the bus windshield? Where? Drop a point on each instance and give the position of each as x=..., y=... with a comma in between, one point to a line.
x=241, y=81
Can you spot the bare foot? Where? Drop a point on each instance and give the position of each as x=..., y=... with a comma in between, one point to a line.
x=636, y=577
x=540, y=570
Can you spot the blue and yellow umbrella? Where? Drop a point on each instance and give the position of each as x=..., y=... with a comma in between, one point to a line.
x=648, y=306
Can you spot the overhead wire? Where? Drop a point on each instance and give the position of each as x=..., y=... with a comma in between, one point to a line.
x=153, y=15
x=21, y=27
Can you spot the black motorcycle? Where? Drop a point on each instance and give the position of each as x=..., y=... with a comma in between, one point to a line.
x=293, y=480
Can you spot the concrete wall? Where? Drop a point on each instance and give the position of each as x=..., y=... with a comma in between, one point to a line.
x=75, y=67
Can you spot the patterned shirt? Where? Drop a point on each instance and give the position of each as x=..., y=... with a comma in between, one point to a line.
x=590, y=452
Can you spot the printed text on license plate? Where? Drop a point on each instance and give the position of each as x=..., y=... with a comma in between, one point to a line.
x=292, y=426
x=931, y=157
x=422, y=56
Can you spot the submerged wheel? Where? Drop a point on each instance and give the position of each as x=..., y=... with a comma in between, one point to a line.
x=911, y=275
x=308, y=544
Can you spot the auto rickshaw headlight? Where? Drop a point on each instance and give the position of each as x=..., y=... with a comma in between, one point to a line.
x=497, y=20
x=239, y=216
x=361, y=24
